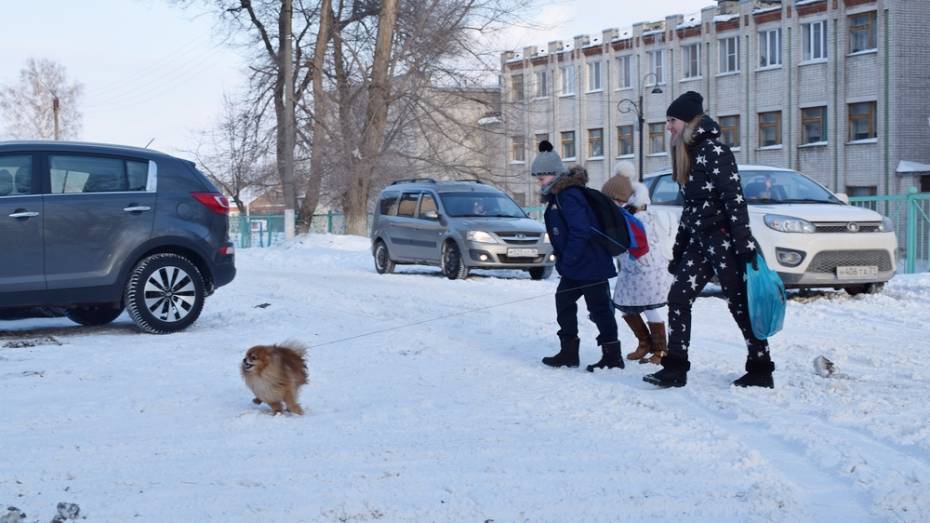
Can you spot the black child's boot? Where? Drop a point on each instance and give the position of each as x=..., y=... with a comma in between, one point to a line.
x=567, y=356
x=674, y=372
x=758, y=374
x=610, y=357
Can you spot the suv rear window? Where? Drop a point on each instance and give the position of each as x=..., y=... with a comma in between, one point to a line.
x=388, y=204
x=86, y=174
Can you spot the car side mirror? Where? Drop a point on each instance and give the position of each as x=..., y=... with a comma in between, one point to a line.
x=431, y=215
x=843, y=197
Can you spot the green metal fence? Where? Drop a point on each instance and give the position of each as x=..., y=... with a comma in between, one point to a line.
x=911, y=216
x=910, y=213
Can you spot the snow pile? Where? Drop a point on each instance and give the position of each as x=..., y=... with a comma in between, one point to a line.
x=427, y=402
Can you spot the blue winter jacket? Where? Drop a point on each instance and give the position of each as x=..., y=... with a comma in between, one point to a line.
x=569, y=222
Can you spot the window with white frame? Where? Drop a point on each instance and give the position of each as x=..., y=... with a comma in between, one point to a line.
x=567, y=78
x=595, y=143
x=594, y=76
x=518, y=149
x=542, y=84
x=691, y=61
x=516, y=87
x=729, y=54
x=625, y=72
x=814, y=40
x=568, y=144
x=770, y=48
x=656, y=67
x=862, y=32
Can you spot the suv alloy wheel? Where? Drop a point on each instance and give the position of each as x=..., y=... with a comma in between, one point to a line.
x=165, y=293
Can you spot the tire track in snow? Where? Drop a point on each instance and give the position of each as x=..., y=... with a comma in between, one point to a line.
x=894, y=480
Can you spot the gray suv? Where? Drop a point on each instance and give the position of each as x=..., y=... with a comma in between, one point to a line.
x=94, y=229
x=458, y=226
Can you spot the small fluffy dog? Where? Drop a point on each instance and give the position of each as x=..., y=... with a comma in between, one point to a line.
x=275, y=373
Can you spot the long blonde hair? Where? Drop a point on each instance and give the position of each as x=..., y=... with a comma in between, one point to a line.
x=681, y=159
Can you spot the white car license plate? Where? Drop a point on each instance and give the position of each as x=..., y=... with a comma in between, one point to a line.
x=856, y=272
x=522, y=253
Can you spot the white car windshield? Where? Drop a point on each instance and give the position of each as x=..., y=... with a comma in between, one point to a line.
x=480, y=204
x=782, y=187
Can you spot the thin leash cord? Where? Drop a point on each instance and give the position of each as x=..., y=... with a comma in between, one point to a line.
x=450, y=315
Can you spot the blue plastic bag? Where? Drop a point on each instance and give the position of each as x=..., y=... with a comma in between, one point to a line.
x=765, y=293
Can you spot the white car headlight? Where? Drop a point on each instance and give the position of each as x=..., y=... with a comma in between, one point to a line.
x=788, y=224
x=887, y=225
x=480, y=237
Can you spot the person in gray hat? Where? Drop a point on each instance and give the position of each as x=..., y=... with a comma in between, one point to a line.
x=583, y=264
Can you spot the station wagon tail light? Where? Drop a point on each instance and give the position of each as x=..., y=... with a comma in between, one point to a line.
x=788, y=224
x=214, y=201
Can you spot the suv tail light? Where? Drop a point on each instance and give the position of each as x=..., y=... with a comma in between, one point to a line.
x=214, y=201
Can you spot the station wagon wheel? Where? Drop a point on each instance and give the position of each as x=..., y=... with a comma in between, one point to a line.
x=453, y=265
x=165, y=293
x=540, y=273
x=383, y=262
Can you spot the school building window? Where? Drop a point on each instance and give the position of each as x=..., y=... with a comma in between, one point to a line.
x=542, y=84
x=814, y=125
x=769, y=128
x=656, y=138
x=625, y=140
x=814, y=40
x=770, y=48
x=567, y=77
x=518, y=149
x=862, y=125
x=729, y=130
x=595, y=143
x=594, y=76
x=516, y=87
x=862, y=32
x=540, y=137
x=568, y=144
x=656, y=67
x=729, y=54
x=624, y=71
x=691, y=61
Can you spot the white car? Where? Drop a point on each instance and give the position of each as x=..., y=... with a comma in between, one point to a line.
x=810, y=236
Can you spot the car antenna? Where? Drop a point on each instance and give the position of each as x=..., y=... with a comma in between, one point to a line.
x=150, y=143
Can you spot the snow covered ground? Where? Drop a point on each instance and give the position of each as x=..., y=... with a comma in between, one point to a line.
x=444, y=412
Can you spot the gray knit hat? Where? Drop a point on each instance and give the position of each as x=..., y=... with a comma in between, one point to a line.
x=547, y=161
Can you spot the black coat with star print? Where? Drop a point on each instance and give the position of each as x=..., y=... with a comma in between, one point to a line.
x=713, y=197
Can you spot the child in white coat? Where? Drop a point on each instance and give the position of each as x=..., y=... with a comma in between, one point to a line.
x=643, y=283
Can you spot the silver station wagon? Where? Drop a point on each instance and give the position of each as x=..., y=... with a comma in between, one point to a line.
x=458, y=226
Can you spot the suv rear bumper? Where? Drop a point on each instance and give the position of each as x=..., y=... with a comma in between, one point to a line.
x=224, y=272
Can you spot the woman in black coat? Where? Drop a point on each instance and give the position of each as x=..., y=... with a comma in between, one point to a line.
x=714, y=239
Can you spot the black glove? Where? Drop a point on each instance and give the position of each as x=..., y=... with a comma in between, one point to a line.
x=673, y=266
x=748, y=256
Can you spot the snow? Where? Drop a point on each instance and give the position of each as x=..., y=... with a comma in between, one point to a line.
x=427, y=402
x=906, y=166
x=691, y=20
x=725, y=17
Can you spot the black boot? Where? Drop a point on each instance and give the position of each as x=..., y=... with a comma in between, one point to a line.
x=567, y=356
x=610, y=357
x=674, y=372
x=758, y=374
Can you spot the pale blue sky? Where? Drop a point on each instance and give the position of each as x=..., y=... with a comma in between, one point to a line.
x=153, y=70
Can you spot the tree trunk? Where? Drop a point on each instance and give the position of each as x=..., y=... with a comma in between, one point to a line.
x=373, y=136
x=312, y=198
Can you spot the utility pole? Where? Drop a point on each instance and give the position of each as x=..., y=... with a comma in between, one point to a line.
x=55, y=110
x=286, y=55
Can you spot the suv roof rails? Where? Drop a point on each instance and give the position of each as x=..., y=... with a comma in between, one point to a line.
x=470, y=180
x=413, y=180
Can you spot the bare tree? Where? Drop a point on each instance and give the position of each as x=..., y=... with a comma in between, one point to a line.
x=43, y=104
x=232, y=154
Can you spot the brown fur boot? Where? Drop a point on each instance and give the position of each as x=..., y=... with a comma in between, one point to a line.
x=635, y=321
x=659, y=343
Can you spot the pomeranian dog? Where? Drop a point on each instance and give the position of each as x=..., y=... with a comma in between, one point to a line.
x=275, y=373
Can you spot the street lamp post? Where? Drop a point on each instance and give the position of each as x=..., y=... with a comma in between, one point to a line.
x=56, y=106
x=627, y=105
